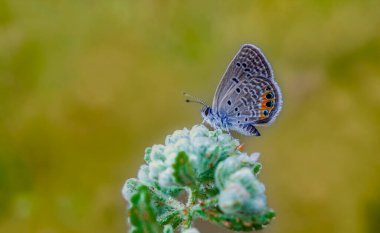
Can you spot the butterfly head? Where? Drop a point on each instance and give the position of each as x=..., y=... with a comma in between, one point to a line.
x=206, y=112
x=211, y=118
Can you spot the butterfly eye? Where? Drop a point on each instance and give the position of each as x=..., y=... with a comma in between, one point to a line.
x=265, y=112
x=269, y=95
x=207, y=111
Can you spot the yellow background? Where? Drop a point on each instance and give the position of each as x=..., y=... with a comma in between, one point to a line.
x=86, y=85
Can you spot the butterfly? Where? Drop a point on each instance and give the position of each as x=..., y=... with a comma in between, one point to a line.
x=247, y=95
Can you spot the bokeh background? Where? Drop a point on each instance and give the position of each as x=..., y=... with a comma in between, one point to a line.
x=86, y=85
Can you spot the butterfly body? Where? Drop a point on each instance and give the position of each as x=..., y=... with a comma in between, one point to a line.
x=221, y=121
x=247, y=95
x=218, y=120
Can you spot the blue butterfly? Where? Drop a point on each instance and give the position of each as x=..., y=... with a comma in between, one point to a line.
x=247, y=95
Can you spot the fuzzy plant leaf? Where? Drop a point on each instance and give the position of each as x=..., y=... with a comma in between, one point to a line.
x=168, y=229
x=183, y=171
x=191, y=230
x=167, y=209
x=221, y=183
x=142, y=214
x=235, y=222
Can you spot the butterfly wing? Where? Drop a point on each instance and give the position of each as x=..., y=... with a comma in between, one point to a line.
x=248, y=93
x=249, y=60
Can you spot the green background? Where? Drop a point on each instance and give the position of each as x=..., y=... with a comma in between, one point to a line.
x=86, y=85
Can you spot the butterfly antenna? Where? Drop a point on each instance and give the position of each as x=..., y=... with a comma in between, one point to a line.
x=194, y=99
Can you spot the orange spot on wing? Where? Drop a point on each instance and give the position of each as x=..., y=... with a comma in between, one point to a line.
x=264, y=101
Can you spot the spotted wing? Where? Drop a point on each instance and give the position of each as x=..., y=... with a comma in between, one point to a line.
x=248, y=93
x=249, y=61
x=256, y=101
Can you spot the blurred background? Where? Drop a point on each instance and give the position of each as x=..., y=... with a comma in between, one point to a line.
x=85, y=86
